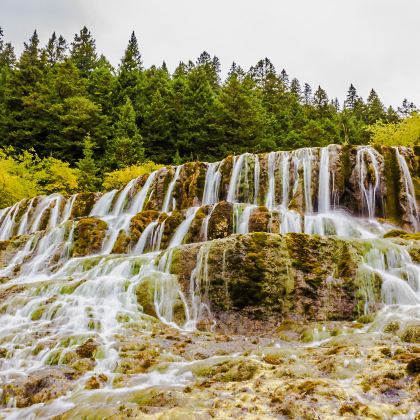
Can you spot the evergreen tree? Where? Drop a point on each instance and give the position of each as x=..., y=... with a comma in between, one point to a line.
x=88, y=170
x=320, y=99
x=307, y=94
x=285, y=78
x=240, y=116
x=296, y=89
x=7, y=53
x=126, y=146
x=407, y=108
x=374, y=108
x=156, y=130
x=129, y=81
x=351, y=98
x=83, y=52
x=261, y=71
x=55, y=49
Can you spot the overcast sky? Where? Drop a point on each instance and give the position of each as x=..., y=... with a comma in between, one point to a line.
x=332, y=43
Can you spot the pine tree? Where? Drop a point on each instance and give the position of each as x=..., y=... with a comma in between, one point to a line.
x=407, y=108
x=7, y=53
x=88, y=170
x=295, y=89
x=83, y=52
x=261, y=71
x=211, y=66
x=320, y=99
x=285, y=78
x=126, y=146
x=351, y=98
x=198, y=115
x=129, y=80
x=55, y=49
x=307, y=94
x=374, y=108
x=156, y=129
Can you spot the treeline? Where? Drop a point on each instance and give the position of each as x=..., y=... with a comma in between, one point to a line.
x=54, y=97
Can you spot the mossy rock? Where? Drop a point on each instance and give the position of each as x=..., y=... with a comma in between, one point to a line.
x=230, y=371
x=221, y=221
x=145, y=292
x=83, y=204
x=411, y=334
x=259, y=220
x=140, y=221
x=403, y=235
x=171, y=224
x=89, y=235
x=39, y=387
x=122, y=243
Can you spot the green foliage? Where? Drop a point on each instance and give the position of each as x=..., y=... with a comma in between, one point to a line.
x=403, y=133
x=88, y=170
x=126, y=147
x=53, y=97
x=120, y=177
x=25, y=175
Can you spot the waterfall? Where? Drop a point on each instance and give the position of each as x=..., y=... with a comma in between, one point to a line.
x=68, y=208
x=122, y=198
x=241, y=216
x=51, y=302
x=409, y=191
x=368, y=187
x=168, y=202
x=205, y=224
x=103, y=205
x=6, y=230
x=23, y=225
x=198, y=290
x=240, y=183
x=303, y=158
x=139, y=200
x=400, y=277
x=212, y=184
x=183, y=228
x=270, y=199
x=285, y=180
x=257, y=171
x=324, y=182
x=150, y=239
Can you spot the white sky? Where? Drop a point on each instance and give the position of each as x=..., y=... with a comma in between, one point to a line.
x=370, y=43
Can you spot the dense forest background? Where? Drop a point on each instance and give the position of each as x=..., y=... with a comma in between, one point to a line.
x=70, y=121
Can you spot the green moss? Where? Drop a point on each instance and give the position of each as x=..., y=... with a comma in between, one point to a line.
x=122, y=243
x=403, y=235
x=37, y=314
x=171, y=224
x=411, y=334
x=83, y=204
x=366, y=319
x=230, y=371
x=392, y=327
x=391, y=174
x=140, y=221
x=221, y=221
x=145, y=295
x=88, y=236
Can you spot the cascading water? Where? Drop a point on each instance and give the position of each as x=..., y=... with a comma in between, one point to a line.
x=413, y=211
x=369, y=178
x=324, y=182
x=168, y=202
x=57, y=302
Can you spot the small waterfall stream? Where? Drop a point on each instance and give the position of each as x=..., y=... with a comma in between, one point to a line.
x=57, y=301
